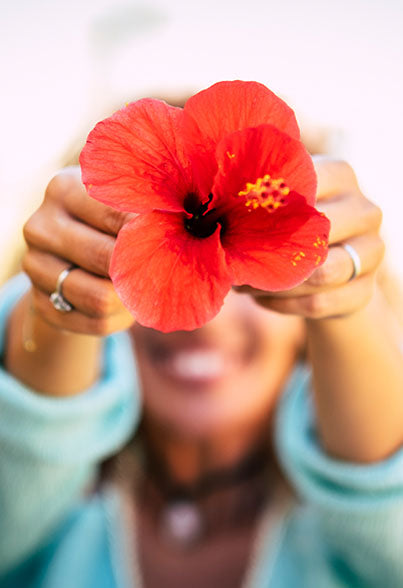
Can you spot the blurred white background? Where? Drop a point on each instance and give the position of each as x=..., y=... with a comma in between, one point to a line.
x=65, y=65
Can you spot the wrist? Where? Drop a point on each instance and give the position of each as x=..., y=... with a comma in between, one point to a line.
x=46, y=358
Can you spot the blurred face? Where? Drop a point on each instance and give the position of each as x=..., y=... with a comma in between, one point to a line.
x=223, y=376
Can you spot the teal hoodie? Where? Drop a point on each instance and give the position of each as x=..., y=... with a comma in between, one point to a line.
x=346, y=529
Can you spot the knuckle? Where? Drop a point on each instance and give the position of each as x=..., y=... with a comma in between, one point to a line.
x=44, y=230
x=113, y=220
x=56, y=187
x=102, y=326
x=61, y=184
x=34, y=230
x=322, y=276
x=336, y=167
x=102, y=255
x=370, y=213
x=344, y=169
x=26, y=231
x=29, y=229
x=375, y=214
x=27, y=262
x=116, y=219
x=101, y=303
x=315, y=306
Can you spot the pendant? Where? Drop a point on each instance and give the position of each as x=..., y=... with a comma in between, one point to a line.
x=182, y=523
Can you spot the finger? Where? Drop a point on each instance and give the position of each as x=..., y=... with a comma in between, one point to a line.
x=89, y=294
x=334, y=177
x=75, y=321
x=337, y=302
x=350, y=214
x=96, y=214
x=336, y=271
x=66, y=187
x=339, y=267
x=72, y=241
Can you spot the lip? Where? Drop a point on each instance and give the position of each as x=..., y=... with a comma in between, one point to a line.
x=196, y=366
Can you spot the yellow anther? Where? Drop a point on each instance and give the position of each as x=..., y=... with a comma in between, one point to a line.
x=297, y=257
x=230, y=155
x=267, y=192
x=319, y=242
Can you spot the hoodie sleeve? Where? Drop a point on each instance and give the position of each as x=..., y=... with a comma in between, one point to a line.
x=50, y=447
x=356, y=509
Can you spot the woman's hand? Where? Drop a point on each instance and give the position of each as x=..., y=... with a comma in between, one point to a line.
x=355, y=358
x=72, y=228
x=330, y=292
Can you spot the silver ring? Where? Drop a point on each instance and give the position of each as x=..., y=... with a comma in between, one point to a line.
x=355, y=258
x=57, y=299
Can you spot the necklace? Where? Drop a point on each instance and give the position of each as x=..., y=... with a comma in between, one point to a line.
x=123, y=533
x=217, y=502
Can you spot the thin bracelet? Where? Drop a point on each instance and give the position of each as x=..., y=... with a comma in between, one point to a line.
x=28, y=339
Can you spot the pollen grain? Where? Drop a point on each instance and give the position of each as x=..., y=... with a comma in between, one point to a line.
x=267, y=192
x=319, y=242
x=297, y=257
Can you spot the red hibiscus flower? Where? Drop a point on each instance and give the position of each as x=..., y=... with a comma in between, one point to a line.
x=224, y=191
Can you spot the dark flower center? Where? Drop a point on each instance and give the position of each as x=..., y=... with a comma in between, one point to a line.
x=203, y=221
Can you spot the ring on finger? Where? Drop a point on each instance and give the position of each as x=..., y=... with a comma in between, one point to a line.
x=355, y=258
x=57, y=299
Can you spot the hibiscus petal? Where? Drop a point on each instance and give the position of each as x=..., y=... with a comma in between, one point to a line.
x=168, y=279
x=275, y=251
x=134, y=160
x=247, y=155
x=224, y=108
